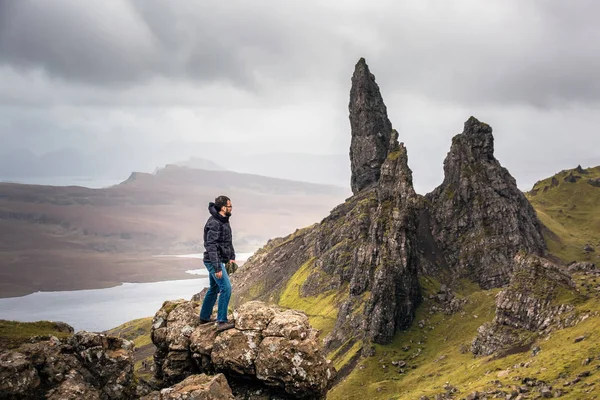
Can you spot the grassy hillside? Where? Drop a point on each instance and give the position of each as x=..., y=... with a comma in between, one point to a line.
x=138, y=330
x=571, y=212
x=13, y=333
x=437, y=357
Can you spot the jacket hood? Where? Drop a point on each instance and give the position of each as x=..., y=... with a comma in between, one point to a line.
x=212, y=209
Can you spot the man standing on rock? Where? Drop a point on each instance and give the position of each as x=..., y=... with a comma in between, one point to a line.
x=219, y=250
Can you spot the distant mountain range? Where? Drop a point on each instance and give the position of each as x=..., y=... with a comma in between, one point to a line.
x=120, y=161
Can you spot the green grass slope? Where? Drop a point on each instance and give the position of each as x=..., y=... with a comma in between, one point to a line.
x=13, y=333
x=571, y=212
x=438, y=355
x=138, y=331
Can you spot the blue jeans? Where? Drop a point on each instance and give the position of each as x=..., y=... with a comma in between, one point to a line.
x=222, y=286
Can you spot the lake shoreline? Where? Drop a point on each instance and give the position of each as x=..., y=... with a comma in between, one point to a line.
x=115, y=270
x=98, y=310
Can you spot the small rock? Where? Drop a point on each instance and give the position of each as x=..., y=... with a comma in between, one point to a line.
x=587, y=361
x=584, y=374
x=579, y=339
x=546, y=392
x=504, y=373
x=473, y=396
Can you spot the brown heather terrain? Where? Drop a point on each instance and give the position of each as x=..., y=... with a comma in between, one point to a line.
x=66, y=238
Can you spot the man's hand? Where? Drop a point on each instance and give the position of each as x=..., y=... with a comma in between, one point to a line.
x=219, y=274
x=232, y=261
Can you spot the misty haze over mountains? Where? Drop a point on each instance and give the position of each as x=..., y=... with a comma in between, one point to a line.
x=119, y=161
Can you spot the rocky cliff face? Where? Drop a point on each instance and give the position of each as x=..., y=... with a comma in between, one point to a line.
x=365, y=252
x=363, y=260
x=478, y=216
x=85, y=366
x=370, y=126
x=271, y=351
x=533, y=302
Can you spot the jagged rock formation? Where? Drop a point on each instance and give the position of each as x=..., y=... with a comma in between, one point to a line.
x=531, y=303
x=85, y=366
x=365, y=250
x=195, y=387
x=365, y=256
x=271, y=350
x=371, y=129
x=478, y=216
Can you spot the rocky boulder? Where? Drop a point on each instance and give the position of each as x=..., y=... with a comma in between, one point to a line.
x=271, y=348
x=86, y=365
x=571, y=178
x=533, y=302
x=479, y=218
x=195, y=387
x=583, y=266
x=594, y=182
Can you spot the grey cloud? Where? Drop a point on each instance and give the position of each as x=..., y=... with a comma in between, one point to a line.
x=542, y=53
x=124, y=43
x=83, y=74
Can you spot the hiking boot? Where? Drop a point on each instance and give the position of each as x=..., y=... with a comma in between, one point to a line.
x=223, y=326
x=205, y=321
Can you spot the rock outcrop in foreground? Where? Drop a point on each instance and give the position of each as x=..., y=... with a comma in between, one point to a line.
x=195, y=387
x=86, y=366
x=530, y=304
x=270, y=351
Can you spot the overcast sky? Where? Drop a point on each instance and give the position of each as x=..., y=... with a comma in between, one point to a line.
x=276, y=75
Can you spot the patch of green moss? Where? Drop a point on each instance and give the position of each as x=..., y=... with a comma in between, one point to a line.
x=321, y=310
x=137, y=330
x=429, y=285
x=342, y=358
x=394, y=155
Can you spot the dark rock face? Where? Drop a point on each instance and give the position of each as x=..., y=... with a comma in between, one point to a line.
x=594, y=182
x=479, y=218
x=272, y=350
x=371, y=128
x=572, y=178
x=366, y=249
x=527, y=304
x=85, y=366
x=395, y=292
x=368, y=252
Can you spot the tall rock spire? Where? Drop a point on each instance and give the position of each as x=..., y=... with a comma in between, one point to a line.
x=371, y=129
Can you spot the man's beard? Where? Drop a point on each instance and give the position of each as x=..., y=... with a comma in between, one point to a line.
x=227, y=214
